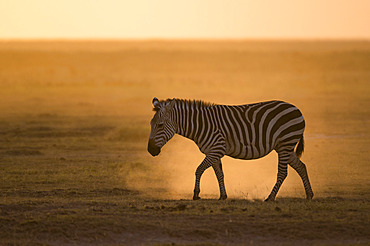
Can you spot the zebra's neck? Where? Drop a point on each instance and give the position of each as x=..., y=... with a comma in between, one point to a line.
x=189, y=117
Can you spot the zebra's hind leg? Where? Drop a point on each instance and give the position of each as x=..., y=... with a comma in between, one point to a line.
x=281, y=175
x=220, y=178
x=206, y=163
x=300, y=167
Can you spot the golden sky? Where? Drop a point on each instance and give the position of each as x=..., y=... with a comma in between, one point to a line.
x=137, y=19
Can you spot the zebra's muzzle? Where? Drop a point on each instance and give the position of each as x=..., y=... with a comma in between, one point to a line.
x=152, y=148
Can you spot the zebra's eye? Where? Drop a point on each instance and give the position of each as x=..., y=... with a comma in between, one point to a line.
x=160, y=124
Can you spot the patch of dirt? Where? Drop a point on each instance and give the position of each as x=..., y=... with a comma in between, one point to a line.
x=69, y=193
x=23, y=152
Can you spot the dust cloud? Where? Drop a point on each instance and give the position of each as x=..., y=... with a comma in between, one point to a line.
x=171, y=175
x=110, y=85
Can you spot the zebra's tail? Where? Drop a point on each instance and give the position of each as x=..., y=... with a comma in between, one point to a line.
x=300, y=147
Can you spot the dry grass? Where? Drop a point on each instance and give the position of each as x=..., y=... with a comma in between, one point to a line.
x=74, y=124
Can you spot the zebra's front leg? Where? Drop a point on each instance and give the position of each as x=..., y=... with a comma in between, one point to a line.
x=220, y=178
x=206, y=163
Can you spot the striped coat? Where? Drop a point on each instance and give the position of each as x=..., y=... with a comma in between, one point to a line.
x=247, y=131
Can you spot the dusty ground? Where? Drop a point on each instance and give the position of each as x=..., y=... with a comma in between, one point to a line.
x=74, y=123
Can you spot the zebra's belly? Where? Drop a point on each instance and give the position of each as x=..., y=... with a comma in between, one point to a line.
x=247, y=152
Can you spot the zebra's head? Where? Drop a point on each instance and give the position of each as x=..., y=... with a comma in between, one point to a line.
x=162, y=126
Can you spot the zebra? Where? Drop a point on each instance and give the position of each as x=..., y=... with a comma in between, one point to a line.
x=247, y=132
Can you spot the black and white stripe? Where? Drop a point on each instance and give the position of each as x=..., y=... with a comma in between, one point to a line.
x=247, y=132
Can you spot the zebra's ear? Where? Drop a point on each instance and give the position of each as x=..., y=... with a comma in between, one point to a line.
x=156, y=102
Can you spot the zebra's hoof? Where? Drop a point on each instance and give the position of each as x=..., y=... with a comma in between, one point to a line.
x=270, y=199
x=309, y=197
x=196, y=198
x=222, y=197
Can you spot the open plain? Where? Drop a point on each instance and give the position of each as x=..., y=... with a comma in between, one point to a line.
x=74, y=126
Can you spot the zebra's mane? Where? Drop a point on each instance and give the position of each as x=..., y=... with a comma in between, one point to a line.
x=195, y=103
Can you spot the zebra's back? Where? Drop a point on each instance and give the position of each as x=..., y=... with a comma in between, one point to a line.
x=254, y=130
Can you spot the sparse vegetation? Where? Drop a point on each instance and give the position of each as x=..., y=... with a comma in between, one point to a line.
x=74, y=124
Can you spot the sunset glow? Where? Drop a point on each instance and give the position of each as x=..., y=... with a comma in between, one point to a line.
x=70, y=19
